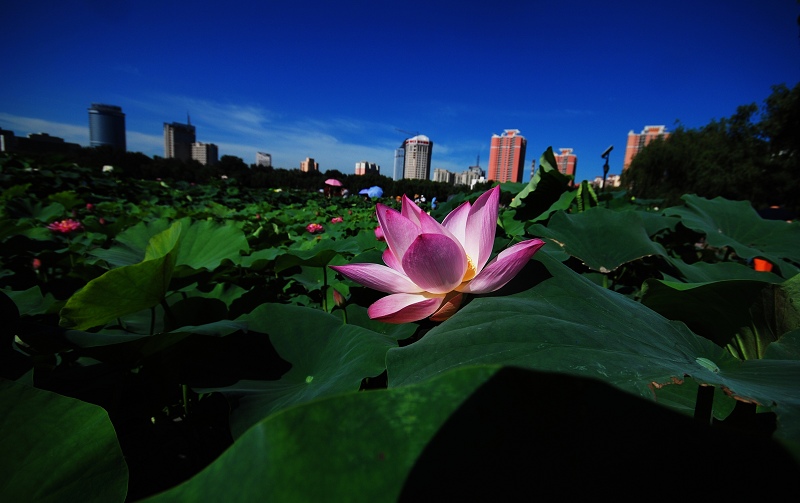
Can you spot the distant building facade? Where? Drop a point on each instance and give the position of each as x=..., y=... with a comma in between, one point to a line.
x=309, y=165
x=507, y=156
x=178, y=140
x=263, y=159
x=611, y=181
x=107, y=126
x=35, y=143
x=444, y=176
x=473, y=175
x=567, y=162
x=364, y=167
x=417, y=158
x=636, y=142
x=205, y=153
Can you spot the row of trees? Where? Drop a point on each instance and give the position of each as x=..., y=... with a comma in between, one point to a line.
x=135, y=165
x=753, y=155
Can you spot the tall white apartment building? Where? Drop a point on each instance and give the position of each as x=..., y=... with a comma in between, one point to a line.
x=418, y=152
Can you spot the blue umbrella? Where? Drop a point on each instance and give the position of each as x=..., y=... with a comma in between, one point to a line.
x=373, y=191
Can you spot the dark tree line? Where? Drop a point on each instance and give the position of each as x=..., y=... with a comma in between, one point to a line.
x=753, y=155
x=138, y=166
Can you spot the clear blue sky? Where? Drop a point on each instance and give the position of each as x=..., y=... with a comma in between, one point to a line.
x=335, y=80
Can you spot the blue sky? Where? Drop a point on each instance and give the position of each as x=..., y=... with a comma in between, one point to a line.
x=336, y=81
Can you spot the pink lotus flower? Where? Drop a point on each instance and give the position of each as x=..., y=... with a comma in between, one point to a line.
x=337, y=220
x=36, y=264
x=65, y=226
x=312, y=228
x=379, y=234
x=89, y=207
x=430, y=266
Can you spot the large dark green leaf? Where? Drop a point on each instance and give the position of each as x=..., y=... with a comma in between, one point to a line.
x=551, y=319
x=736, y=224
x=31, y=301
x=318, y=256
x=473, y=434
x=703, y=272
x=746, y=316
x=327, y=358
x=57, y=449
x=356, y=446
x=204, y=244
x=586, y=235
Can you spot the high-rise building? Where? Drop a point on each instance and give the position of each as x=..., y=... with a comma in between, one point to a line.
x=205, y=153
x=567, y=162
x=417, y=162
x=107, y=126
x=364, y=167
x=309, y=165
x=636, y=142
x=507, y=156
x=399, y=162
x=263, y=159
x=178, y=140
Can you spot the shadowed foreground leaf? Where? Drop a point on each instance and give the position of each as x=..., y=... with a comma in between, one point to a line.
x=327, y=358
x=551, y=319
x=482, y=433
x=57, y=449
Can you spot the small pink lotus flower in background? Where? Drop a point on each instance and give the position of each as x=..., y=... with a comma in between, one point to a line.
x=89, y=207
x=65, y=226
x=379, y=234
x=337, y=220
x=101, y=221
x=338, y=298
x=313, y=228
x=36, y=264
x=431, y=265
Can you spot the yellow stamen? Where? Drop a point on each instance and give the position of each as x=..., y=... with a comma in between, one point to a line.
x=470, y=273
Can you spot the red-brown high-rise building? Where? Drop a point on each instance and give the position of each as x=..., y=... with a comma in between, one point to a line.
x=636, y=142
x=567, y=162
x=507, y=156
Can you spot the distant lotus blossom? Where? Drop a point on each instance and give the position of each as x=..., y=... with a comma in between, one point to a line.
x=337, y=220
x=108, y=169
x=101, y=221
x=379, y=234
x=89, y=207
x=338, y=298
x=65, y=226
x=36, y=264
x=313, y=228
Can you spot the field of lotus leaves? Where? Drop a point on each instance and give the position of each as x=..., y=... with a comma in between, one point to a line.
x=164, y=341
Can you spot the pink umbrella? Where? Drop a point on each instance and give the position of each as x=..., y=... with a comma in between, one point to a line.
x=333, y=182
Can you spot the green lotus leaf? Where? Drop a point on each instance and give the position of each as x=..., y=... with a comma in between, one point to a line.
x=327, y=357
x=585, y=236
x=124, y=290
x=57, y=449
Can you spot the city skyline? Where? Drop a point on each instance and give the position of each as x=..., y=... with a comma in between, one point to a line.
x=348, y=82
